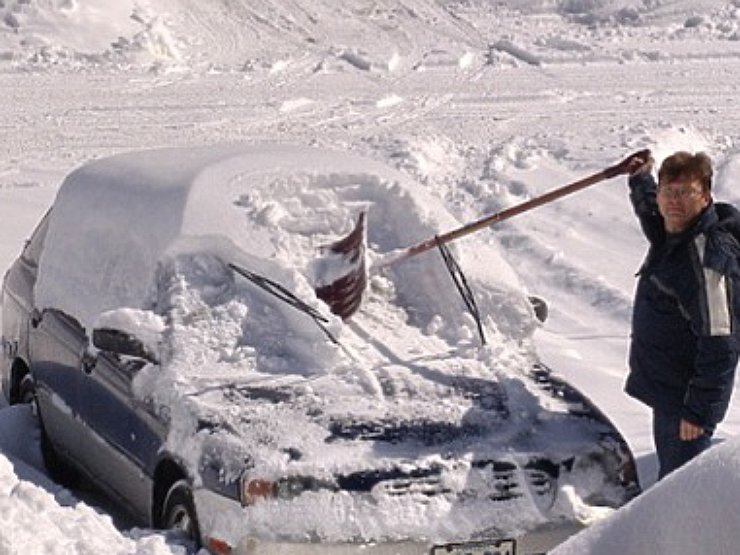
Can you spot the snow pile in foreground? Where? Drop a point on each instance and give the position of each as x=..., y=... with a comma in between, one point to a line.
x=693, y=510
x=41, y=517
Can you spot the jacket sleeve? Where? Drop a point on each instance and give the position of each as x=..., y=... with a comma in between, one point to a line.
x=643, y=190
x=709, y=390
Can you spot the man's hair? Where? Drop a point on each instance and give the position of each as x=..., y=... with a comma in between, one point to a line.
x=684, y=166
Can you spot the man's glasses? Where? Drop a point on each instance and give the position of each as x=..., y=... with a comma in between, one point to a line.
x=678, y=193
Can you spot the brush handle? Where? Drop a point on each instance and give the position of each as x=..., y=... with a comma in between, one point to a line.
x=607, y=173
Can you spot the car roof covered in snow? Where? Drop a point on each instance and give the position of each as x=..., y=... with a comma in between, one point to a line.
x=269, y=207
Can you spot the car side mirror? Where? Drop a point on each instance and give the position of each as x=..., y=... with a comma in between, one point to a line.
x=121, y=343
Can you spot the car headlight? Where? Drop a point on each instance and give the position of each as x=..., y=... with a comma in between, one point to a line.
x=253, y=490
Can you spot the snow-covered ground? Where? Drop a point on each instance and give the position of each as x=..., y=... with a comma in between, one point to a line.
x=485, y=104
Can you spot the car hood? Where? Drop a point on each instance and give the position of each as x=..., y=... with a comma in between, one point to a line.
x=395, y=413
x=289, y=400
x=494, y=455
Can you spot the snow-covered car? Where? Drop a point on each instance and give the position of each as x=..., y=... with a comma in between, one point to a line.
x=163, y=317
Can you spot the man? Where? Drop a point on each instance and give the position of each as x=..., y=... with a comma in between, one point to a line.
x=685, y=323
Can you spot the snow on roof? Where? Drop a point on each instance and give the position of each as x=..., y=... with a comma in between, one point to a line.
x=269, y=207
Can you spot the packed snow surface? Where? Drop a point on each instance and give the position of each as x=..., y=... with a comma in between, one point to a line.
x=479, y=105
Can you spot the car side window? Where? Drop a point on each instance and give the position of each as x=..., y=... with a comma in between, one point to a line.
x=34, y=246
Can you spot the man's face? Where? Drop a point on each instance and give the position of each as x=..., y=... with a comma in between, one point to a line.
x=680, y=202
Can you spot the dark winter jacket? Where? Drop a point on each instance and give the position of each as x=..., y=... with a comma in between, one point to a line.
x=685, y=323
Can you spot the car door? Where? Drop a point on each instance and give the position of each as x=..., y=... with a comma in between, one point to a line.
x=58, y=347
x=124, y=436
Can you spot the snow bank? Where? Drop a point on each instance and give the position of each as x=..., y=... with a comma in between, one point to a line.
x=173, y=35
x=691, y=511
x=42, y=517
x=83, y=33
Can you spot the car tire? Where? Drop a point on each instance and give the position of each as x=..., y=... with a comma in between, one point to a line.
x=178, y=512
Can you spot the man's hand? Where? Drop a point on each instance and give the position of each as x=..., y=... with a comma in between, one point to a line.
x=637, y=162
x=688, y=431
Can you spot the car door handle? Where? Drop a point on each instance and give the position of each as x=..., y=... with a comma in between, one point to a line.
x=89, y=360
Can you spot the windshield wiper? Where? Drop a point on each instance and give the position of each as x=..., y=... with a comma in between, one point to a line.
x=274, y=288
x=462, y=286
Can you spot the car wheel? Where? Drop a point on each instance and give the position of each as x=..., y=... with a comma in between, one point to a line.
x=178, y=512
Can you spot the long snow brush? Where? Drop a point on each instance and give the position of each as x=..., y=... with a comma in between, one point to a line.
x=345, y=270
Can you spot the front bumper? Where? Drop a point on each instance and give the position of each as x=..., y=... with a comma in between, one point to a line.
x=208, y=504
x=537, y=542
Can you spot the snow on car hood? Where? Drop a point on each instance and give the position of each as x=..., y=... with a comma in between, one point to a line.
x=392, y=400
x=409, y=383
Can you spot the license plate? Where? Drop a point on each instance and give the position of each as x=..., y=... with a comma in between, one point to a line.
x=489, y=547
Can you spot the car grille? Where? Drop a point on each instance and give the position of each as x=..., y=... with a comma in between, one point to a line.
x=507, y=481
x=394, y=481
x=498, y=481
x=425, y=487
